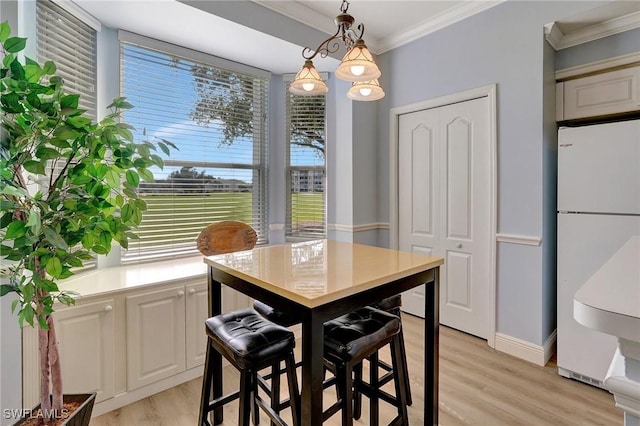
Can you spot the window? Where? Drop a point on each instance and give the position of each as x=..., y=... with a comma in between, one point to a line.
x=306, y=177
x=71, y=45
x=215, y=112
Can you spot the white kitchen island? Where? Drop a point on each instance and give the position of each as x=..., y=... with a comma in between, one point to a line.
x=609, y=302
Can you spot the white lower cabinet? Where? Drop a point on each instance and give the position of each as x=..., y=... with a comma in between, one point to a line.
x=165, y=332
x=197, y=312
x=86, y=336
x=129, y=344
x=155, y=335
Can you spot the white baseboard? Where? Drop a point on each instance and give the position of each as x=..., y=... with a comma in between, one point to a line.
x=528, y=351
x=127, y=398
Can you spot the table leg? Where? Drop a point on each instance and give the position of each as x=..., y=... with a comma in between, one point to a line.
x=431, y=349
x=215, y=308
x=312, y=370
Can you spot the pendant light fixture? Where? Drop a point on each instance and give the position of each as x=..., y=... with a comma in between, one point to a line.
x=357, y=65
x=366, y=91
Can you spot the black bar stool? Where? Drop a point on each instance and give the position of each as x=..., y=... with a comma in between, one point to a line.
x=350, y=339
x=250, y=343
x=286, y=319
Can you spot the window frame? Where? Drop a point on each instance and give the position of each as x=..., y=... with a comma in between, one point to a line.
x=259, y=165
x=290, y=235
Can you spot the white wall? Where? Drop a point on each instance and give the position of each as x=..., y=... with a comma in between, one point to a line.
x=18, y=14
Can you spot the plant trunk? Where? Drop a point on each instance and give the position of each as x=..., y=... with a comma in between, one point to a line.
x=50, y=372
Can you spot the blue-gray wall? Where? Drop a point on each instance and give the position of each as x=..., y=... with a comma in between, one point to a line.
x=503, y=45
x=597, y=50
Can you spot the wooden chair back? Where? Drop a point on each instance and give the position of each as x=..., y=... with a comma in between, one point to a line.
x=226, y=237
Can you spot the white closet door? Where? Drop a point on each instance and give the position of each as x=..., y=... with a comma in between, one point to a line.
x=444, y=195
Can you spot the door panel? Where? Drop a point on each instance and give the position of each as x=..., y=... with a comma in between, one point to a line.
x=445, y=181
x=458, y=179
x=421, y=171
x=418, y=214
x=459, y=284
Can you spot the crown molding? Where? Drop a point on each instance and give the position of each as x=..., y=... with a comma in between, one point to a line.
x=558, y=40
x=597, y=66
x=310, y=17
x=301, y=13
x=443, y=20
x=79, y=13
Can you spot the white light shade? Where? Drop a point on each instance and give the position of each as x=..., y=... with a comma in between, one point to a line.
x=308, y=82
x=366, y=91
x=358, y=64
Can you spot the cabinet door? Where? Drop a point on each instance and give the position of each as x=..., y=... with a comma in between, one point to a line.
x=155, y=335
x=601, y=94
x=196, y=315
x=86, y=342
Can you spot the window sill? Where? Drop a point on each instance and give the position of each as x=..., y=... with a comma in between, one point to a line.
x=115, y=279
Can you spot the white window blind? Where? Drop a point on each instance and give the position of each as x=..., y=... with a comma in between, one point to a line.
x=306, y=213
x=217, y=118
x=71, y=45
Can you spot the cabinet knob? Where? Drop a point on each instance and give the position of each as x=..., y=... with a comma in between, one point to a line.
x=180, y=293
x=108, y=308
x=459, y=245
x=192, y=291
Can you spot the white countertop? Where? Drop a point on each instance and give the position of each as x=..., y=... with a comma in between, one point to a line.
x=108, y=280
x=610, y=300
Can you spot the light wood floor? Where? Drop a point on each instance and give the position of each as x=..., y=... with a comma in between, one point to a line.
x=478, y=386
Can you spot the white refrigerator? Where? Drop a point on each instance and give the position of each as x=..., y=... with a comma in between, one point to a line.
x=598, y=211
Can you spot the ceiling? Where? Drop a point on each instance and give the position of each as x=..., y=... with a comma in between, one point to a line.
x=388, y=24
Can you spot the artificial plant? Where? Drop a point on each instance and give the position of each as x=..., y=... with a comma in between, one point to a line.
x=68, y=189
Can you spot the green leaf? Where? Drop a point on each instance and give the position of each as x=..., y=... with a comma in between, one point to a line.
x=11, y=103
x=74, y=261
x=35, y=167
x=14, y=44
x=17, y=70
x=15, y=230
x=112, y=178
x=49, y=68
x=146, y=175
x=48, y=285
x=126, y=212
x=132, y=178
x=34, y=221
x=143, y=150
x=136, y=217
x=99, y=249
x=6, y=289
x=66, y=133
x=45, y=153
x=6, y=61
x=5, y=30
x=87, y=240
x=119, y=202
x=14, y=191
x=54, y=267
x=69, y=101
x=55, y=238
x=32, y=73
x=164, y=148
x=78, y=122
x=6, y=219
